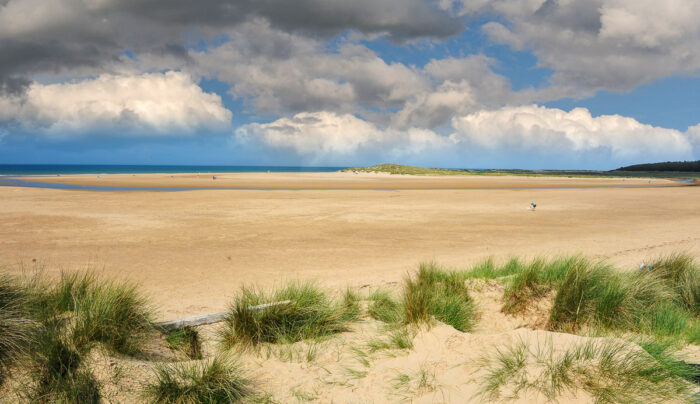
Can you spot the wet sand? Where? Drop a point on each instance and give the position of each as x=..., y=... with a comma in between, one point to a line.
x=339, y=180
x=191, y=250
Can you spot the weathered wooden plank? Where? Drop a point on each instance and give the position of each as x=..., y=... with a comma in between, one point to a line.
x=209, y=318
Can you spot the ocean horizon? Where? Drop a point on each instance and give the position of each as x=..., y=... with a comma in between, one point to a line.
x=55, y=169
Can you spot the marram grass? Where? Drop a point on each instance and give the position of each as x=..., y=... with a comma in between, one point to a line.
x=384, y=307
x=114, y=314
x=17, y=328
x=609, y=371
x=219, y=380
x=310, y=313
x=185, y=340
x=662, y=301
x=58, y=370
x=439, y=294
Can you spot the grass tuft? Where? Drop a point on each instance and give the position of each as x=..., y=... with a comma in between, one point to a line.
x=114, y=314
x=436, y=293
x=185, y=340
x=310, y=314
x=649, y=302
x=682, y=274
x=220, y=380
x=384, y=307
x=17, y=329
x=71, y=288
x=610, y=371
x=59, y=374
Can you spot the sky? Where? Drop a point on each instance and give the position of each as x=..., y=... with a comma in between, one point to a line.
x=532, y=84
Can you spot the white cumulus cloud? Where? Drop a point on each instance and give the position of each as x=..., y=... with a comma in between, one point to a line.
x=156, y=104
x=554, y=132
x=322, y=137
x=525, y=136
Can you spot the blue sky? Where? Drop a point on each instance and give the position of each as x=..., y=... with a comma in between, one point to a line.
x=592, y=84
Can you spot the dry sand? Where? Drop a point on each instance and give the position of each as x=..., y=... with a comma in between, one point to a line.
x=191, y=250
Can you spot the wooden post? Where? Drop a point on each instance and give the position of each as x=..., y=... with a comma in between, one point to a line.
x=210, y=318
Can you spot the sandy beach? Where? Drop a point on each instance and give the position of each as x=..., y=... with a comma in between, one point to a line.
x=191, y=250
x=339, y=180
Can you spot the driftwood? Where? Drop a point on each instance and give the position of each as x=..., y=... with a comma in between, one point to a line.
x=210, y=318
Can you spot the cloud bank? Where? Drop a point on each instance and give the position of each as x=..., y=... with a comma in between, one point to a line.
x=554, y=136
x=150, y=104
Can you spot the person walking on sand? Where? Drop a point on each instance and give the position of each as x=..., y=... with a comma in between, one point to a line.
x=533, y=205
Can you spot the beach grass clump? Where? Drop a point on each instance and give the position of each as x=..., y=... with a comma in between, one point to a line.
x=114, y=314
x=17, y=328
x=648, y=302
x=436, y=293
x=220, y=380
x=611, y=371
x=351, y=309
x=185, y=340
x=489, y=270
x=384, y=307
x=295, y=312
x=59, y=374
x=666, y=352
x=71, y=287
x=534, y=280
x=682, y=274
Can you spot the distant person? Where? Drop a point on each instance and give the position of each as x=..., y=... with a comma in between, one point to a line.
x=533, y=206
x=213, y=177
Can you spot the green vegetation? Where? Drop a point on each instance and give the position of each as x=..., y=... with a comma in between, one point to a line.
x=534, y=279
x=48, y=327
x=59, y=371
x=48, y=330
x=220, y=380
x=436, y=293
x=113, y=314
x=675, y=170
x=432, y=293
x=310, y=313
x=17, y=329
x=398, y=338
x=678, y=166
x=185, y=340
x=412, y=170
x=610, y=371
x=661, y=301
x=408, y=385
x=384, y=307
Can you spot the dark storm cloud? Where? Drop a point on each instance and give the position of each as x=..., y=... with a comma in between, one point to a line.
x=69, y=35
x=401, y=19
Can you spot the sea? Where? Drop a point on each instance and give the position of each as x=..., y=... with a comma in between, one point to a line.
x=56, y=169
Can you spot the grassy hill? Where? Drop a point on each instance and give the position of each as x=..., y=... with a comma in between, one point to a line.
x=683, y=170
x=676, y=166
